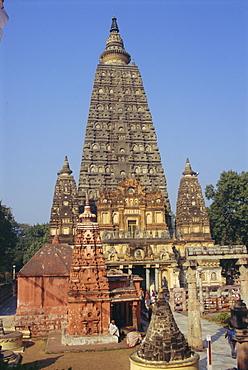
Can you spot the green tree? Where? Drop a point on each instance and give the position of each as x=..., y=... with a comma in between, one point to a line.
x=30, y=240
x=18, y=242
x=228, y=212
x=8, y=239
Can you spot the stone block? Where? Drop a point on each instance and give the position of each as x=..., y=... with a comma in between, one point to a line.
x=72, y=340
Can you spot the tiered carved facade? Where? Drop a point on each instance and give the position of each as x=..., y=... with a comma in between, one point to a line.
x=89, y=295
x=121, y=175
x=120, y=140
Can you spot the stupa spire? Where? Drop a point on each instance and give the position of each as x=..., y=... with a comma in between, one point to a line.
x=115, y=52
x=114, y=26
x=87, y=216
x=66, y=168
x=188, y=170
x=164, y=341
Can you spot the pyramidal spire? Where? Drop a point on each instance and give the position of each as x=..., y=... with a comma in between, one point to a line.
x=63, y=217
x=66, y=168
x=164, y=341
x=115, y=52
x=192, y=222
x=124, y=134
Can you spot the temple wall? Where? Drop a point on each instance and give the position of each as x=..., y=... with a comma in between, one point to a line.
x=42, y=304
x=88, y=318
x=42, y=294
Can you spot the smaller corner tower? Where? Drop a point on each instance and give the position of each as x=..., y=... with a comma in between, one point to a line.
x=192, y=221
x=64, y=210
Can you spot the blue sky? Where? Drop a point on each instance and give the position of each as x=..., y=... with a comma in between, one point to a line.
x=193, y=58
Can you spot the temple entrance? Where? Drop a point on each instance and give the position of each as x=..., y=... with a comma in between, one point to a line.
x=140, y=271
x=121, y=312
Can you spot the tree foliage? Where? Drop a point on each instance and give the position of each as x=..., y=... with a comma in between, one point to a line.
x=228, y=212
x=18, y=242
x=30, y=240
x=8, y=238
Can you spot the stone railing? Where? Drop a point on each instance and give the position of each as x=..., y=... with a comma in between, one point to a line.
x=220, y=299
x=137, y=234
x=221, y=250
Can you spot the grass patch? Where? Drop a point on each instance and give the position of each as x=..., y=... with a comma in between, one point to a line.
x=223, y=318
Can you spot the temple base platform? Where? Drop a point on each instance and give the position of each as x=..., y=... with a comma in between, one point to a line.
x=137, y=363
x=79, y=340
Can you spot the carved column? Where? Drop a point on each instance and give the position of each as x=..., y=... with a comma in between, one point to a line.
x=142, y=218
x=243, y=281
x=148, y=278
x=194, y=317
x=156, y=278
x=184, y=304
x=134, y=315
x=130, y=269
x=121, y=218
x=239, y=320
x=127, y=313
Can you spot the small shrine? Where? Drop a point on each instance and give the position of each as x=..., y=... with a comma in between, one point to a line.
x=164, y=346
x=89, y=295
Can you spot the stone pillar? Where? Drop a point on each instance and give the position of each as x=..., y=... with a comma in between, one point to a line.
x=207, y=292
x=176, y=278
x=199, y=269
x=242, y=351
x=127, y=314
x=148, y=278
x=244, y=283
x=156, y=278
x=134, y=315
x=194, y=317
x=130, y=269
x=184, y=304
x=172, y=300
x=239, y=320
x=142, y=218
x=121, y=218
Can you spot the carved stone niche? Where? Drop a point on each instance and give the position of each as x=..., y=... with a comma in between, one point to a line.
x=90, y=318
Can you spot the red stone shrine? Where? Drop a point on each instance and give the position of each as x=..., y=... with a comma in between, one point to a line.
x=88, y=295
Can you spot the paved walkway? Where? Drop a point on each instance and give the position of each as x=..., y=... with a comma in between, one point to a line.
x=221, y=353
x=7, y=312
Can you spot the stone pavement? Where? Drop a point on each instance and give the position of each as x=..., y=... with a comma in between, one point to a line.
x=7, y=312
x=221, y=352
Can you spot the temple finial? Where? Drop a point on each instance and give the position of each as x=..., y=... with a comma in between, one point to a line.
x=188, y=170
x=114, y=27
x=87, y=216
x=87, y=202
x=115, y=52
x=66, y=168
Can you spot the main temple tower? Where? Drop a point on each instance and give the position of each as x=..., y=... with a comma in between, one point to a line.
x=120, y=140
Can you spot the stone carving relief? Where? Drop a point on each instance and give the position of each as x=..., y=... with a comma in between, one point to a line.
x=90, y=317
